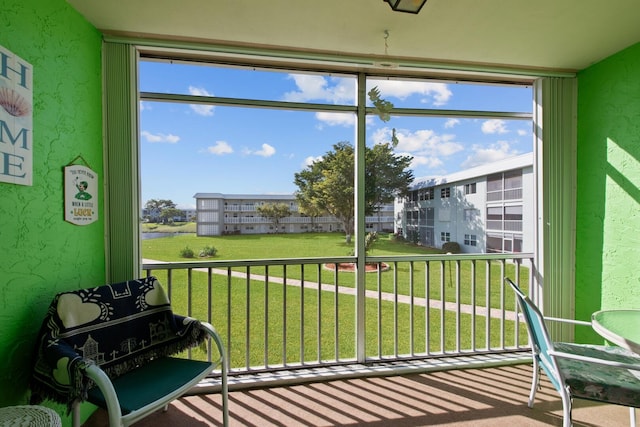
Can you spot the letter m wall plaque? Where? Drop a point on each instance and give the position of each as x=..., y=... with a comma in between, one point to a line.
x=16, y=119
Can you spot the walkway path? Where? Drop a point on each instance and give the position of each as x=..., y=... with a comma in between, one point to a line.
x=386, y=296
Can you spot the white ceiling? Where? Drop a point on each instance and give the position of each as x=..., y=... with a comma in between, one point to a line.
x=541, y=34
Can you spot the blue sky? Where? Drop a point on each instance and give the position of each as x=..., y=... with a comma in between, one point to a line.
x=188, y=149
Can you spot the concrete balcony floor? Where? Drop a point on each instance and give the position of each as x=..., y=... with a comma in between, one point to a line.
x=473, y=397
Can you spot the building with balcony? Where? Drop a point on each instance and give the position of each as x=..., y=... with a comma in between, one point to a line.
x=222, y=214
x=582, y=60
x=486, y=209
x=153, y=215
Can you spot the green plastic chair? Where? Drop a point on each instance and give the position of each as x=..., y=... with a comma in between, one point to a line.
x=592, y=372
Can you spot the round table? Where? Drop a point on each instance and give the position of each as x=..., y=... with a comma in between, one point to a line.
x=29, y=416
x=620, y=327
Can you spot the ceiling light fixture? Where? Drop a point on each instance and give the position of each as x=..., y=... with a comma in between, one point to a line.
x=409, y=6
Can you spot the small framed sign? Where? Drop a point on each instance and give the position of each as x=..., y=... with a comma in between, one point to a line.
x=80, y=195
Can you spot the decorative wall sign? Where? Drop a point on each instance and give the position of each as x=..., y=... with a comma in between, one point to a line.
x=16, y=119
x=80, y=194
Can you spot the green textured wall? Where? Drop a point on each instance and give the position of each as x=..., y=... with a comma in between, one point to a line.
x=41, y=254
x=608, y=202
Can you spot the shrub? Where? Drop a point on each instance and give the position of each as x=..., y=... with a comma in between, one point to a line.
x=208, y=251
x=398, y=237
x=452, y=247
x=187, y=252
x=369, y=240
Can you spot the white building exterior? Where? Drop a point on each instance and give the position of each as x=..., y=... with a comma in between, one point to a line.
x=154, y=214
x=489, y=208
x=221, y=214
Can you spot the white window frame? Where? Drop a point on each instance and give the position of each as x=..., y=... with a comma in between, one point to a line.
x=554, y=123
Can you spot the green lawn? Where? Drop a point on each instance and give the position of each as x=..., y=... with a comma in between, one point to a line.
x=176, y=227
x=261, y=246
x=273, y=246
x=256, y=332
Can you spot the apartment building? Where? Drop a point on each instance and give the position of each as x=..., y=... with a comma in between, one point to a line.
x=222, y=214
x=489, y=208
x=154, y=214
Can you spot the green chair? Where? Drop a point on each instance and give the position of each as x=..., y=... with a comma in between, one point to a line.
x=115, y=346
x=593, y=372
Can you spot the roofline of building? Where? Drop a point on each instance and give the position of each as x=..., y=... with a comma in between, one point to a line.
x=245, y=196
x=511, y=163
x=503, y=165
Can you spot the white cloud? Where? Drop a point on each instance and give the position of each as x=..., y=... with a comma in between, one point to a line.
x=494, y=126
x=160, y=137
x=522, y=132
x=421, y=142
x=482, y=155
x=221, y=147
x=337, y=119
x=266, y=151
x=203, y=110
x=451, y=123
x=310, y=160
x=434, y=93
x=427, y=148
x=314, y=87
x=430, y=162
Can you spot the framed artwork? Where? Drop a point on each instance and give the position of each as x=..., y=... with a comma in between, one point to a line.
x=80, y=195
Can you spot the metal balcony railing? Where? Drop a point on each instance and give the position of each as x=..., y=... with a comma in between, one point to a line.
x=277, y=314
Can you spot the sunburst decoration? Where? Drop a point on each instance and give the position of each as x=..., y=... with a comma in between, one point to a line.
x=14, y=103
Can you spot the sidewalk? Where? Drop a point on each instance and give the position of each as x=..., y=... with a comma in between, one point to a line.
x=385, y=296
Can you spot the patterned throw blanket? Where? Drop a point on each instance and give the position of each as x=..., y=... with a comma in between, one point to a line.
x=117, y=327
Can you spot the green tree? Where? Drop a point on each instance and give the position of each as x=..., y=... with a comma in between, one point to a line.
x=275, y=212
x=309, y=202
x=156, y=206
x=312, y=211
x=327, y=184
x=168, y=214
x=387, y=175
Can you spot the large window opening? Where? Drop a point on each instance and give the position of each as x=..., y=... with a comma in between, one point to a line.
x=218, y=142
x=553, y=147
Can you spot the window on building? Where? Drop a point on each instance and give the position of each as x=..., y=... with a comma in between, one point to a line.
x=517, y=244
x=470, y=240
x=445, y=236
x=445, y=192
x=504, y=242
x=504, y=186
x=494, y=243
x=513, y=218
x=470, y=188
x=513, y=185
x=494, y=218
x=494, y=187
x=427, y=193
x=471, y=215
